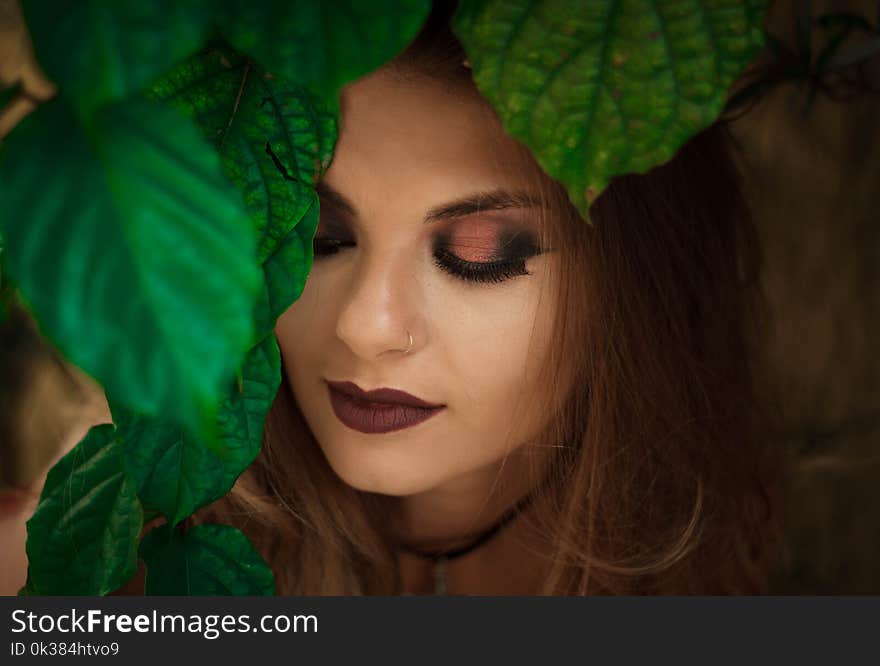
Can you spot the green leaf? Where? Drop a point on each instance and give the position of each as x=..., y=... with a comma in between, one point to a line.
x=176, y=471
x=207, y=560
x=240, y=109
x=137, y=256
x=275, y=140
x=319, y=44
x=597, y=89
x=284, y=276
x=83, y=538
x=243, y=414
x=104, y=50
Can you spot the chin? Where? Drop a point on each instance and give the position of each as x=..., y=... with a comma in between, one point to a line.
x=384, y=480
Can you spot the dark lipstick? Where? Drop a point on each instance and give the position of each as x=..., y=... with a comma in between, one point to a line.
x=378, y=411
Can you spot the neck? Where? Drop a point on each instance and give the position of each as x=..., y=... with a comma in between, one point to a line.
x=514, y=562
x=453, y=515
x=461, y=509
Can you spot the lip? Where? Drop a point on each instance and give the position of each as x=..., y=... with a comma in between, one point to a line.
x=379, y=411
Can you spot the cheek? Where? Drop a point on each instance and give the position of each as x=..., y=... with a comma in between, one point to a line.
x=302, y=327
x=503, y=345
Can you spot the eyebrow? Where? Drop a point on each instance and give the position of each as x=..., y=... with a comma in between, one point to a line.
x=497, y=199
x=326, y=192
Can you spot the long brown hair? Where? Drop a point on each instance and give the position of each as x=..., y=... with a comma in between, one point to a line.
x=660, y=463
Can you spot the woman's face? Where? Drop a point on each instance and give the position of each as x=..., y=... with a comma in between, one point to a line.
x=424, y=193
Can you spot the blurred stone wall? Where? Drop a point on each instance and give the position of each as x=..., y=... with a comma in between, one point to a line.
x=814, y=181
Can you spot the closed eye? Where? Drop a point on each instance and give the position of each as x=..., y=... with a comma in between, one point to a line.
x=479, y=271
x=324, y=247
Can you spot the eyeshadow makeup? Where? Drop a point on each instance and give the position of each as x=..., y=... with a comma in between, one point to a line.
x=477, y=247
x=479, y=250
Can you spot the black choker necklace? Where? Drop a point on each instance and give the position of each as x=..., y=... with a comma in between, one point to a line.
x=441, y=558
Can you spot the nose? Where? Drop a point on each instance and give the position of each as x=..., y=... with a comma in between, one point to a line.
x=377, y=310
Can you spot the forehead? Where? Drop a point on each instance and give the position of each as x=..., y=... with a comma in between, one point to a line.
x=422, y=140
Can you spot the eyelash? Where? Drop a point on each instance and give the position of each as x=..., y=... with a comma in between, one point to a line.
x=328, y=246
x=476, y=272
x=491, y=272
